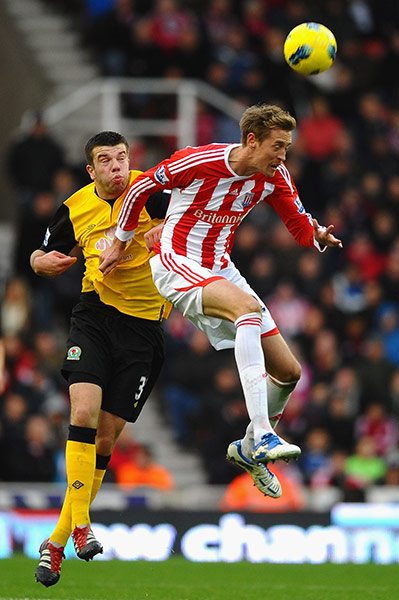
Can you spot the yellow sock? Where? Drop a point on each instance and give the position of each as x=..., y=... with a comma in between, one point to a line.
x=80, y=466
x=63, y=528
x=64, y=525
x=97, y=481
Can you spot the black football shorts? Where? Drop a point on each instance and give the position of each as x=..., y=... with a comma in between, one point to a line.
x=122, y=354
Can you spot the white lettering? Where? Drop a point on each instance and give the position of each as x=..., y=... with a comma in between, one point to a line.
x=231, y=540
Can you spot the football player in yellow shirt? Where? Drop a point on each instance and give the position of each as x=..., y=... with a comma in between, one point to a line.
x=115, y=348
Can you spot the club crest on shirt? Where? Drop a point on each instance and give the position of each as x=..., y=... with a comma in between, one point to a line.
x=299, y=205
x=247, y=200
x=160, y=175
x=74, y=353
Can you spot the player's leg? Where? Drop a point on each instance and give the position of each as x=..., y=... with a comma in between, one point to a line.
x=224, y=299
x=284, y=372
x=108, y=431
x=80, y=456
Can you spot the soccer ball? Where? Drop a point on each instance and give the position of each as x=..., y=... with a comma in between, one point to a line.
x=310, y=48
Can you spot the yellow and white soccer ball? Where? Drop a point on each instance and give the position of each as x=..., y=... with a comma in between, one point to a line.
x=310, y=48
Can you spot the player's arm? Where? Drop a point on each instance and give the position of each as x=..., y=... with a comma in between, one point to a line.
x=156, y=206
x=159, y=178
x=324, y=236
x=306, y=230
x=52, y=258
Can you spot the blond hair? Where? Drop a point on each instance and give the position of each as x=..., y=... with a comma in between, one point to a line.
x=260, y=119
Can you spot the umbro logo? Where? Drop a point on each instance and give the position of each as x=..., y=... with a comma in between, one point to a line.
x=77, y=484
x=234, y=192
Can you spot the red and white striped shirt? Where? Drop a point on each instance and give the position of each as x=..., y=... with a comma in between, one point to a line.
x=209, y=201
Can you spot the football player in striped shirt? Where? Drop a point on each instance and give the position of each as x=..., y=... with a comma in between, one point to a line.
x=213, y=188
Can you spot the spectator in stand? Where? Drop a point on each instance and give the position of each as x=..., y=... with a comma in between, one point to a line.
x=110, y=34
x=309, y=276
x=222, y=416
x=362, y=253
x=14, y=413
x=339, y=421
x=125, y=451
x=320, y=131
x=31, y=230
x=3, y=376
x=349, y=289
x=255, y=22
x=363, y=469
x=373, y=371
x=315, y=452
x=167, y=21
x=390, y=277
x=144, y=472
x=346, y=384
x=387, y=318
x=217, y=20
x=332, y=473
x=236, y=55
x=289, y=308
x=392, y=192
x=16, y=308
x=326, y=357
x=33, y=161
x=20, y=362
x=241, y=495
x=186, y=383
x=384, y=232
x=317, y=407
x=380, y=426
x=38, y=456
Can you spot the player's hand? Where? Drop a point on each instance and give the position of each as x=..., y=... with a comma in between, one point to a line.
x=153, y=236
x=52, y=264
x=111, y=256
x=324, y=235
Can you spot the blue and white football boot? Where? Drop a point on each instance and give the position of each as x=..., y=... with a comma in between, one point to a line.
x=264, y=479
x=271, y=448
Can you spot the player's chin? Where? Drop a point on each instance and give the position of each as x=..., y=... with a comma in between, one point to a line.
x=271, y=171
x=119, y=186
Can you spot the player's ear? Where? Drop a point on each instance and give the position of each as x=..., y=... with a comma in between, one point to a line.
x=90, y=171
x=251, y=140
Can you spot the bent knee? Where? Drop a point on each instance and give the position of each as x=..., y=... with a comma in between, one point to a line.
x=290, y=374
x=251, y=305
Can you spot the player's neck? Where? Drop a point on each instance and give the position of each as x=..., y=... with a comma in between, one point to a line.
x=239, y=162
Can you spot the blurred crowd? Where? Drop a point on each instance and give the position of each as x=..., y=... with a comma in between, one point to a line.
x=338, y=310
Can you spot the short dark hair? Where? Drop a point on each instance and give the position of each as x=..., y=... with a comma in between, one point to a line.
x=104, y=138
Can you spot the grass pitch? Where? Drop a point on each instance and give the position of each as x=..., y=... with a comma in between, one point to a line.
x=179, y=579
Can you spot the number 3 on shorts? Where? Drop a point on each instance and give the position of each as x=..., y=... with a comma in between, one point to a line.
x=143, y=381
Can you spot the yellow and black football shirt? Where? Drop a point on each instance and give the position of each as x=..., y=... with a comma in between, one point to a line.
x=87, y=221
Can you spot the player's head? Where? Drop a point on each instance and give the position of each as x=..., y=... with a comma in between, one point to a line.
x=107, y=156
x=104, y=138
x=261, y=119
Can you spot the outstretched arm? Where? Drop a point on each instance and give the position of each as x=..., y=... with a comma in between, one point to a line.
x=50, y=264
x=324, y=236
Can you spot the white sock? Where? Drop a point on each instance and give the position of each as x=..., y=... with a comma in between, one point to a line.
x=278, y=394
x=247, y=442
x=251, y=368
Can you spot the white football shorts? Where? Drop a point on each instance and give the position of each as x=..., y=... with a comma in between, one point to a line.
x=181, y=280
